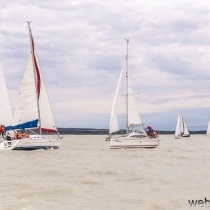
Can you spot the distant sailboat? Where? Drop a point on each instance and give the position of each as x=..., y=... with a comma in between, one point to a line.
x=33, y=111
x=181, y=128
x=208, y=129
x=132, y=138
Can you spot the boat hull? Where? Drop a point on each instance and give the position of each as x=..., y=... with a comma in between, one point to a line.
x=182, y=136
x=32, y=143
x=132, y=142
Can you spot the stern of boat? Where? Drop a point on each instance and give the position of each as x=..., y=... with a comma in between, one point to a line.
x=8, y=144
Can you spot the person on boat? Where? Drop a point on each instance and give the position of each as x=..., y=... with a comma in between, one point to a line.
x=2, y=130
x=24, y=135
x=150, y=130
x=17, y=135
x=10, y=135
x=154, y=134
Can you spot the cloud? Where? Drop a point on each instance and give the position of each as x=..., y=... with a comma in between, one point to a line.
x=81, y=49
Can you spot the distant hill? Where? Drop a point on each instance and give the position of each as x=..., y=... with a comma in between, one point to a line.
x=92, y=131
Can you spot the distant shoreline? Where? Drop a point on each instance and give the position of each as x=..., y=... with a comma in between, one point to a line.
x=92, y=131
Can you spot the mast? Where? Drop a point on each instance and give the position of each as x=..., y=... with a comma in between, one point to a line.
x=126, y=85
x=35, y=77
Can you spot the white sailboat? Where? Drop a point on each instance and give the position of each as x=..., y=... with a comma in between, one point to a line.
x=208, y=129
x=181, y=128
x=131, y=139
x=33, y=110
x=6, y=117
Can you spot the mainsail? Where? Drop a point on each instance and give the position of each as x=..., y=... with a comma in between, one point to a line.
x=26, y=112
x=133, y=113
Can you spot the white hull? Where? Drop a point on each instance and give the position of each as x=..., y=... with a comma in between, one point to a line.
x=133, y=140
x=182, y=136
x=32, y=143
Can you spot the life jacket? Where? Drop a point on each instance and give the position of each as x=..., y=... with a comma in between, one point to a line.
x=17, y=136
x=1, y=129
x=154, y=134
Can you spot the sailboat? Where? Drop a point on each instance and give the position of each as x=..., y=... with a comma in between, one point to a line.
x=132, y=138
x=208, y=129
x=181, y=128
x=6, y=116
x=33, y=113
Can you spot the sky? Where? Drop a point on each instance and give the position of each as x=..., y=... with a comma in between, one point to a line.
x=81, y=49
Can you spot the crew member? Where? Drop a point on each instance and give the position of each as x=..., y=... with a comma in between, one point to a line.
x=24, y=135
x=150, y=130
x=17, y=135
x=2, y=129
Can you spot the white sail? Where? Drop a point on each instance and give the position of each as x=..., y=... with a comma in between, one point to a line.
x=185, y=129
x=26, y=112
x=181, y=123
x=208, y=129
x=6, y=117
x=46, y=115
x=181, y=128
x=114, y=125
x=178, y=126
x=133, y=113
x=33, y=107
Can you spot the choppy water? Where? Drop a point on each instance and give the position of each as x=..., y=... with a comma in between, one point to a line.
x=84, y=174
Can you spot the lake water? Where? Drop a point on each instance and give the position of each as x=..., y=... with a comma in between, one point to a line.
x=84, y=174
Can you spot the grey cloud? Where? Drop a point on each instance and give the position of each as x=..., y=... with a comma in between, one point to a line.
x=81, y=44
